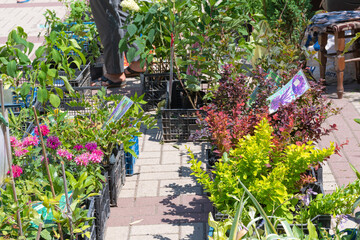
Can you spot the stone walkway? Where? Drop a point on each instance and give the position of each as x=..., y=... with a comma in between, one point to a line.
x=161, y=200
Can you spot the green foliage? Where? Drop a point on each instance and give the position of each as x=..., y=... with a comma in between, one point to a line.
x=205, y=35
x=269, y=174
x=339, y=202
x=84, y=129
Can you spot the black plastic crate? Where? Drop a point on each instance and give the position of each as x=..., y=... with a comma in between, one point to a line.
x=73, y=102
x=96, y=70
x=320, y=222
x=179, y=124
x=154, y=86
x=102, y=209
x=179, y=121
x=116, y=176
x=90, y=205
x=218, y=216
x=82, y=77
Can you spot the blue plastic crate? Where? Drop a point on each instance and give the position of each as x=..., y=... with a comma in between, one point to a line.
x=18, y=102
x=211, y=232
x=135, y=147
x=129, y=164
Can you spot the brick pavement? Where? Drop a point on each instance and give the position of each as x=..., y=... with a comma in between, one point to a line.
x=161, y=200
x=29, y=16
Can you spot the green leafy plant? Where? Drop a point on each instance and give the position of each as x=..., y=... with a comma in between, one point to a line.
x=269, y=173
x=192, y=29
x=252, y=230
x=80, y=129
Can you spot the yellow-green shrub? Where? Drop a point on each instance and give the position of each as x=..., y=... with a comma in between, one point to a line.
x=268, y=173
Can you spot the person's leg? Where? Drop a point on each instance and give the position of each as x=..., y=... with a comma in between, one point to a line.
x=108, y=24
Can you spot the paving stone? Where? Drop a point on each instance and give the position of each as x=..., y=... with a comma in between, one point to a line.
x=183, y=186
x=118, y=221
x=160, y=176
x=329, y=186
x=113, y=233
x=150, y=155
x=154, y=147
x=135, y=212
x=148, y=161
x=132, y=178
x=129, y=185
x=155, y=236
x=161, y=168
x=153, y=229
x=172, y=147
x=126, y=193
x=147, y=189
x=193, y=231
x=171, y=158
x=160, y=200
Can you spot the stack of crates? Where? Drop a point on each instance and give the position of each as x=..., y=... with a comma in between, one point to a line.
x=129, y=158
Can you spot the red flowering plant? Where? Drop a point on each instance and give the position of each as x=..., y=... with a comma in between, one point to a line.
x=229, y=116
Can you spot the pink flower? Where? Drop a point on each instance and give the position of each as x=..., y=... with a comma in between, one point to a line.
x=30, y=141
x=17, y=171
x=65, y=154
x=44, y=130
x=78, y=147
x=82, y=159
x=96, y=156
x=53, y=142
x=14, y=142
x=42, y=159
x=21, y=152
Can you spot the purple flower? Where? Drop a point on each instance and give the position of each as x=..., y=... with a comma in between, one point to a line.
x=341, y=219
x=306, y=197
x=78, y=147
x=91, y=146
x=298, y=85
x=53, y=142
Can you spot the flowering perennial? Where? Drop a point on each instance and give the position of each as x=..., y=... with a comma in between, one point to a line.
x=53, y=142
x=78, y=147
x=91, y=146
x=64, y=154
x=30, y=141
x=130, y=5
x=17, y=171
x=82, y=159
x=44, y=130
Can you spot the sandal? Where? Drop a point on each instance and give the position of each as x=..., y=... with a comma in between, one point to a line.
x=132, y=73
x=109, y=83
